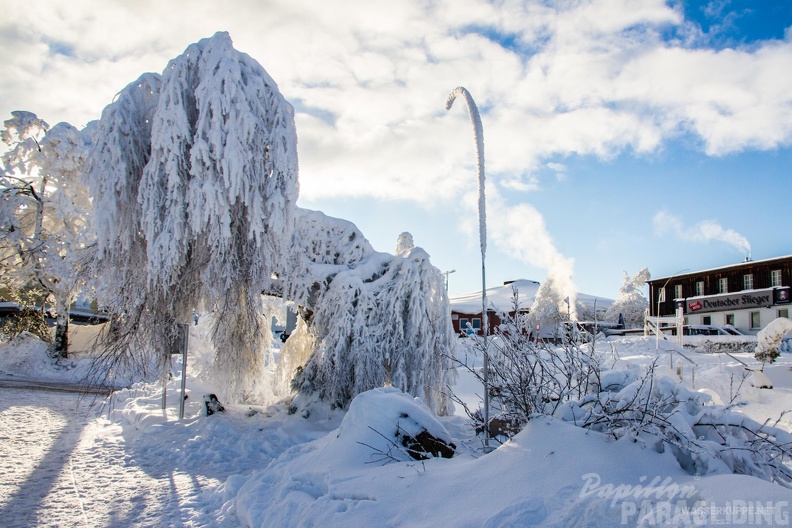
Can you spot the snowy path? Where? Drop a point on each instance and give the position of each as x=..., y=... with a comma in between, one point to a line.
x=63, y=467
x=13, y=382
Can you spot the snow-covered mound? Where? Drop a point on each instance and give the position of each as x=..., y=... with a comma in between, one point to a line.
x=379, y=421
x=27, y=356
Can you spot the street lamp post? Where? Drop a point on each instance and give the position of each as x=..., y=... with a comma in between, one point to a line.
x=447, y=273
x=657, y=314
x=478, y=136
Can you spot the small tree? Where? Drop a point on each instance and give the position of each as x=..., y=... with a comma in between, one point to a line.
x=546, y=308
x=376, y=319
x=631, y=303
x=44, y=210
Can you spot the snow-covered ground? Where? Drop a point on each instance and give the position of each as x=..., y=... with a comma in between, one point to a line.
x=71, y=461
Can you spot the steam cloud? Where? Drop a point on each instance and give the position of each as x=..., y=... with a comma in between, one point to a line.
x=520, y=230
x=665, y=223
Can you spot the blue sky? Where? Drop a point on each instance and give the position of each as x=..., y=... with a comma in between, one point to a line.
x=619, y=134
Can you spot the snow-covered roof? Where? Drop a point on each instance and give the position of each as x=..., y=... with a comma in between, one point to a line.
x=501, y=298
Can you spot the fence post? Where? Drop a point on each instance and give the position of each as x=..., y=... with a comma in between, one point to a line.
x=184, y=334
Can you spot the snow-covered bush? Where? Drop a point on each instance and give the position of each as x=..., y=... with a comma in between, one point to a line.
x=770, y=339
x=371, y=318
x=28, y=320
x=384, y=322
x=718, y=344
x=528, y=377
x=567, y=381
x=661, y=413
x=386, y=425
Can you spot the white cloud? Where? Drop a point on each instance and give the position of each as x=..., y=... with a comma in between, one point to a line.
x=665, y=223
x=369, y=80
x=521, y=183
x=595, y=78
x=559, y=169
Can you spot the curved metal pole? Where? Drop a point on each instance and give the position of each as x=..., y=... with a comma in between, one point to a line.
x=478, y=136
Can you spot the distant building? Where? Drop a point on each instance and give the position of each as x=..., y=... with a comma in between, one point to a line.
x=748, y=295
x=466, y=308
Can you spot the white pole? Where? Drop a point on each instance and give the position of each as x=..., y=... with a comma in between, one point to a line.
x=595, y=316
x=478, y=136
x=185, y=333
x=657, y=315
x=165, y=362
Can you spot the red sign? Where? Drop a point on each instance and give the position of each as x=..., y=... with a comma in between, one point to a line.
x=694, y=306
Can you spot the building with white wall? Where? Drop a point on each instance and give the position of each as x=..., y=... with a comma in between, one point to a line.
x=748, y=295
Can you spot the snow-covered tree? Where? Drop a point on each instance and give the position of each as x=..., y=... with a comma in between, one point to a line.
x=375, y=319
x=115, y=168
x=631, y=302
x=202, y=163
x=546, y=308
x=44, y=211
x=196, y=174
x=404, y=242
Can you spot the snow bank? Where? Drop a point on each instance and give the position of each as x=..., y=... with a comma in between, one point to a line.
x=27, y=356
x=552, y=474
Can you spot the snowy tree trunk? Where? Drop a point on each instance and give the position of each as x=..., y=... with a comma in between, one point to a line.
x=61, y=345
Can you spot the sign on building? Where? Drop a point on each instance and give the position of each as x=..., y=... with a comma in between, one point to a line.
x=731, y=301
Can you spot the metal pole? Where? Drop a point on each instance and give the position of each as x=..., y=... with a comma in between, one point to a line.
x=478, y=136
x=595, y=316
x=657, y=315
x=185, y=332
x=447, y=273
x=165, y=362
x=485, y=329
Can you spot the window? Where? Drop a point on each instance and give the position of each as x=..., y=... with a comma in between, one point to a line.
x=748, y=281
x=723, y=285
x=755, y=320
x=775, y=278
x=700, y=288
x=476, y=323
x=678, y=291
x=784, y=312
x=730, y=319
x=707, y=320
x=463, y=323
x=661, y=295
